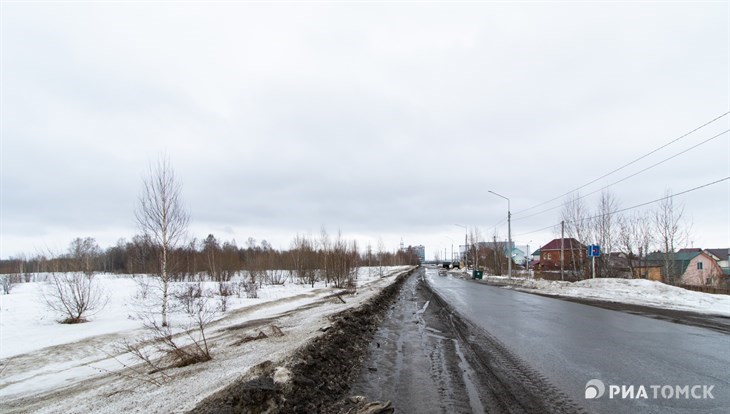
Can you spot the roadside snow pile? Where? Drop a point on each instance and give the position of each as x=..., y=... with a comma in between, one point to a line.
x=638, y=292
x=521, y=282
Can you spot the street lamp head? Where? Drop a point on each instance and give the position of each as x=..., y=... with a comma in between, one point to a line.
x=498, y=195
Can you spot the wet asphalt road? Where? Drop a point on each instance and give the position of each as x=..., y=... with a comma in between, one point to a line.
x=570, y=343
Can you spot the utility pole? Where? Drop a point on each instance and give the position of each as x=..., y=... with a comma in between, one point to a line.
x=562, y=248
x=495, y=257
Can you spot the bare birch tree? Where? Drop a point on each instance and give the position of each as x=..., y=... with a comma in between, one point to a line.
x=606, y=229
x=162, y=217
x=634, y=238
x=577, y=226
x=381, y=253
x=671, y=232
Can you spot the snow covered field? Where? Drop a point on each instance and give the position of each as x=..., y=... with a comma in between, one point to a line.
x=49, y=367
x=633, y=291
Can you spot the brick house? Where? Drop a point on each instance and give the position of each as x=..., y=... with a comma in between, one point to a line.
x=573, y=254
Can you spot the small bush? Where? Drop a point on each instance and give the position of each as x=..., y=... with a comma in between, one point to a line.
x=252, y=290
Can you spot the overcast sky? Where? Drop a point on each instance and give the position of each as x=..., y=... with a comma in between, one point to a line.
x=381, y=120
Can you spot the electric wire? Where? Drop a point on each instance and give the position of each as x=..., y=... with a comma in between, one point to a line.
x=627, y=164
x=628, y=208
x=627, y=177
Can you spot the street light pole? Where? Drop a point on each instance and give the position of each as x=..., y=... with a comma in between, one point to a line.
x=527, y=259
x=509, y=234
x=465, y=245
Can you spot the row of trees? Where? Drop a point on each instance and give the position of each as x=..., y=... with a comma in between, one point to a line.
x=634, y=234
x=212, y=258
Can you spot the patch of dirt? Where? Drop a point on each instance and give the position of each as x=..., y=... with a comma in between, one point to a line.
x=320, y=372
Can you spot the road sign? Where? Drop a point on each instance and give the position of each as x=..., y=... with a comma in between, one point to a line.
x=594, y=250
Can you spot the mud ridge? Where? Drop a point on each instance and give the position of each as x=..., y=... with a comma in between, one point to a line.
x=318, y=375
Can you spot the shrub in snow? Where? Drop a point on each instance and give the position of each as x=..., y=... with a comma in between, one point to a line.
x=74, y=295
x=225, y=289
x=176, y=344
x=8, y=281
x=188, y=295
x=252, y=290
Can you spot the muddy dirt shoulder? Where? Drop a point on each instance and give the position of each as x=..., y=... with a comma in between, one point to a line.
x=318, y=375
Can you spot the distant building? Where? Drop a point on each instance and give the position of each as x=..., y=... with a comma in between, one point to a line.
x=419, y=251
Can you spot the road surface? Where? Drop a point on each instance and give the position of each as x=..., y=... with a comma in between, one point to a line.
x=569, y=343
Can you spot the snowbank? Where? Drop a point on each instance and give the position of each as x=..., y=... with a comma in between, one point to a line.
x=633, y=291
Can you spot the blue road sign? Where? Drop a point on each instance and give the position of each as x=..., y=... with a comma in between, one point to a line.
x=594, y=250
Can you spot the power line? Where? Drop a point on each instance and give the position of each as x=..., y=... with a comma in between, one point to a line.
x=629, y=176
x=629, y=208
x=626, y=165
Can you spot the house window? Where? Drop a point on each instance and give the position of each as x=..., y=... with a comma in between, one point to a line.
x=699, y=265
x=549, y=256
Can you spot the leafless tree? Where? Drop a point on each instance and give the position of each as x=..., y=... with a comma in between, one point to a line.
x=671, y=232
x=634, y=238
x=325, y=246
x=606, y=231
x=381, y=254
x=163, y=218
x=74, y=295
x=83, y=253
x=475, y=238
x=577, y=225
x=497, y=256
x=304, y=260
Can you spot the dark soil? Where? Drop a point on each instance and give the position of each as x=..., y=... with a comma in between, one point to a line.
x=321, y=371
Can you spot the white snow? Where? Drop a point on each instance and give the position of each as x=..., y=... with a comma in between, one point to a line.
x=49, y=367
x=632, y=291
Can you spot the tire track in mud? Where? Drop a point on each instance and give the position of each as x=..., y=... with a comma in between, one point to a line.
x=508, y=384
